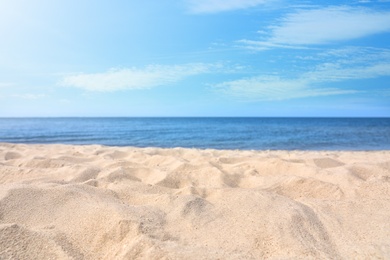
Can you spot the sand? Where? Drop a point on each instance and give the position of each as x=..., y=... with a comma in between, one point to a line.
x=97, y=202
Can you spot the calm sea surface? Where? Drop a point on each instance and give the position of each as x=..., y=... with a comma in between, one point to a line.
x=218, y=133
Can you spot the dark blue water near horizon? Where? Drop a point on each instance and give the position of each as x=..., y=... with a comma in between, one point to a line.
x=215, y=133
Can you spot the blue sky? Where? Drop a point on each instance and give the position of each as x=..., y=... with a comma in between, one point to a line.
x=194, y=58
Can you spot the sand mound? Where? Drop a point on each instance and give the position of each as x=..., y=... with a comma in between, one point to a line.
x=96, y=202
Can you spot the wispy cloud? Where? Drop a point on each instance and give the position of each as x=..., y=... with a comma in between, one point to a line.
x=274, y=88
x=136, y=78
x=322, y=26
x=8, y=92
x=344, y=65
x=329, y=72
x=215, y=6
x=373, y=1
x=6, y=84
x=28, y=96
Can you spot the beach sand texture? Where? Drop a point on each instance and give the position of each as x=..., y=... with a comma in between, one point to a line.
x=97, y=202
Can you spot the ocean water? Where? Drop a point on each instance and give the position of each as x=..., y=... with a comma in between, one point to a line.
x=216, y=133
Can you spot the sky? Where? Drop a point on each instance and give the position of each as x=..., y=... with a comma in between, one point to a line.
x=250, y=58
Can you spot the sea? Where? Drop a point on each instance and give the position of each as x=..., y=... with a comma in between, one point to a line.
x=203, y=133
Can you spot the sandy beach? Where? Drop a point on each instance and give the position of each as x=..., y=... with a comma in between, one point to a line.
x=97, y=202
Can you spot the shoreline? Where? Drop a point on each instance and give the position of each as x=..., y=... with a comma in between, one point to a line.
x=98, y=202
x=193, y=148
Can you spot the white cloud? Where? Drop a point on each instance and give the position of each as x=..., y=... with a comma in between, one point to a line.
x=343, y=65
x=351, y=63
x=356, y=55
x=6, y=84
x=262, y=46
x=274, y=88
x=28, y=96
x=323, y=26
x=135, y=78
x=335, y=72
x=215, y=6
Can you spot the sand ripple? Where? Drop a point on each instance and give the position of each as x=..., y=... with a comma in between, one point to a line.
x=96, y=202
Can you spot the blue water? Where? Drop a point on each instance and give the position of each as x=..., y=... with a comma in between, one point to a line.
x=217, y=133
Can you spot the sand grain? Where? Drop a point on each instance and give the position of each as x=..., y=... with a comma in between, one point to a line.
x=96, y=202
